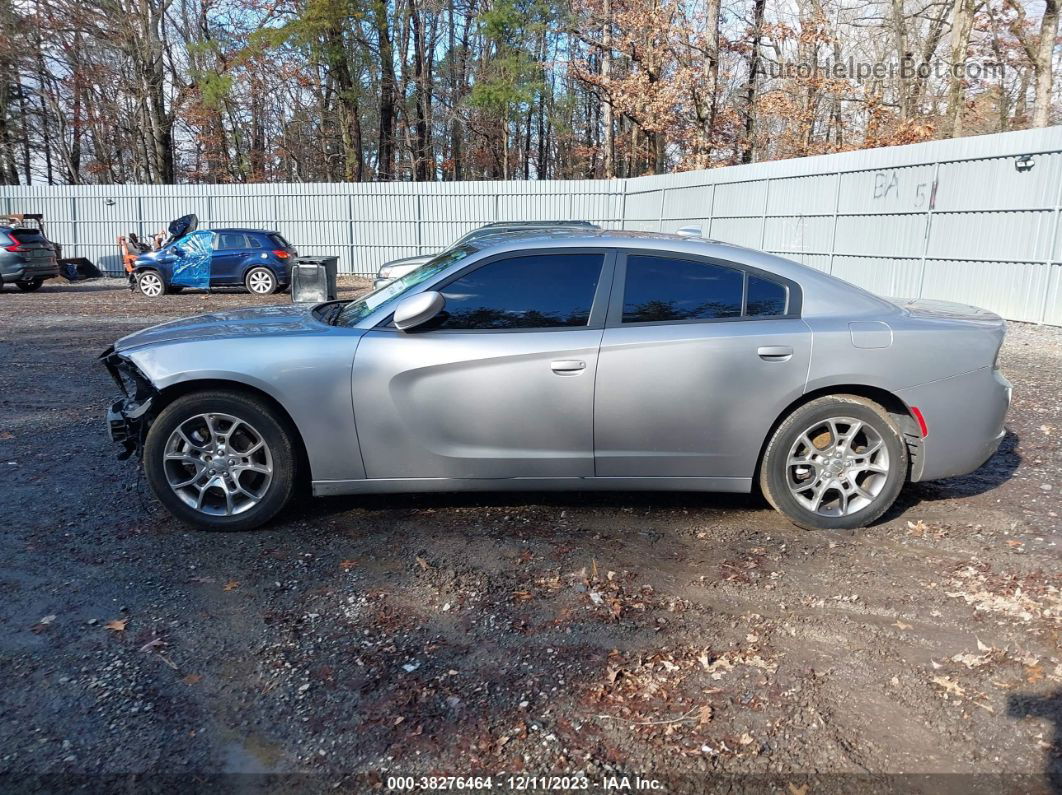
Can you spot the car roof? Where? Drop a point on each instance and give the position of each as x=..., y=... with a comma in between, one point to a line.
x=244, y=229
x=518, y=224
x=825, y=289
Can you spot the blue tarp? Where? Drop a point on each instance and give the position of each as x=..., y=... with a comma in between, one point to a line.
x=193, y=269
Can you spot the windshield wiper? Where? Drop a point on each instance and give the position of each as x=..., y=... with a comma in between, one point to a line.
x=330, y=314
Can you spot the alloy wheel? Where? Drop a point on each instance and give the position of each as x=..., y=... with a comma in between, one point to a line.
x=261, y=282
x=837, y=466
x=218, y=464
x=150, y=284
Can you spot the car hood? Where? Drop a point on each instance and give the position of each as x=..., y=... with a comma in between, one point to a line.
x=266, y=321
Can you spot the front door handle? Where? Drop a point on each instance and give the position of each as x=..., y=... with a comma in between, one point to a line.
x=775, y=353
x=567, y=366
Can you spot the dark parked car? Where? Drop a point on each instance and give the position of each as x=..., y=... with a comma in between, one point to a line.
x=257, y=259
x=27, y=257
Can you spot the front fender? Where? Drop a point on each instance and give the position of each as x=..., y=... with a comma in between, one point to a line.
x=308, y=376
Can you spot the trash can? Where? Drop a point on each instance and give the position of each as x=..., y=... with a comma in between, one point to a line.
x=313, y=279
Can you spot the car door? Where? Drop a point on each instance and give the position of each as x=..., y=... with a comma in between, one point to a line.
x=230, y=249
x=697, y=359
x=501, y=386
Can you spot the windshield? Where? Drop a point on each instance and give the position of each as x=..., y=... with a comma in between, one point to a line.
x=367, y=304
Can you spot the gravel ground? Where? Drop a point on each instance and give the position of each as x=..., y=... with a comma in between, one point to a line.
x=697, y=640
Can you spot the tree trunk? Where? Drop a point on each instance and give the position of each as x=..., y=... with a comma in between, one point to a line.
x=385, y=137
x=748, y=149
x=962, y=23
x=1043, y=63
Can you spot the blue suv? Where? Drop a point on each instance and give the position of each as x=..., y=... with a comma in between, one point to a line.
x=256, y=259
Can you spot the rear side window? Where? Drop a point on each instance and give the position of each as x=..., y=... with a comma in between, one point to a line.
x=279, y=241
x=228, y=241
x=536, y=291
x=765, y=298
x=254, y=241
x=661, y=289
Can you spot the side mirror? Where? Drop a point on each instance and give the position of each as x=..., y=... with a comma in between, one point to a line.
x=418, y=309
x=177, y=251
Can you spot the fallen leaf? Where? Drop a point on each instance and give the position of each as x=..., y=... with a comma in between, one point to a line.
x=116, y=625
x=1014, y=543
x=422, y=563
x=746, y=739
x=900, y=625
x=522, y=596
x=801, y=790
x=705, y=715
x=1036, y=673
x=347, y=565
x=47, y=620
x=981, y=646
x=948, y=684
x=192, y=679
x=232, y=585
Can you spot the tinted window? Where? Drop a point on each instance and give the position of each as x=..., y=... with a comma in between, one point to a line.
x=231, y=240
x=27, y=236
x=254, y=241
x=539, y=291
x=661, y=288
x=764, y=298
x=279, y=241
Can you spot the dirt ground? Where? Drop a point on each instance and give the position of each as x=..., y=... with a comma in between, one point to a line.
x=698, y=641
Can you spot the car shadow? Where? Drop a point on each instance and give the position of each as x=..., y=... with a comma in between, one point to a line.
x=319, y=508
x=1046, y=707
x=996, y=471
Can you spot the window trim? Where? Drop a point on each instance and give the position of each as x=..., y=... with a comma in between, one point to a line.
x=598, y=309
x=794, y=296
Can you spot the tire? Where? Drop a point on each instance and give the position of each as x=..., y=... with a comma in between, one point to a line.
x=29, y=286
x=831, y=486
x=151, y=284
x=186, y=469
x=260, y=281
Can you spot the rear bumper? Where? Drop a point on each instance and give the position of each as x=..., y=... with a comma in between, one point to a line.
x=964, y=416
x=29, y=269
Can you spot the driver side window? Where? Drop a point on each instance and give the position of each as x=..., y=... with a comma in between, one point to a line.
x=539, y=291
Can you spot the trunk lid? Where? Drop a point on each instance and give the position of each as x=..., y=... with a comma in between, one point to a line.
x=948, y=310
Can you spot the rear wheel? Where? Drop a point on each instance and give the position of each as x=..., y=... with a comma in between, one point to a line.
x=836, y=463
x=150, y=283
x=30, y=285
x=220, y=460
x=261, y=281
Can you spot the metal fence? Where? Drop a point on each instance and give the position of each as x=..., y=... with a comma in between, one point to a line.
x=975, y=220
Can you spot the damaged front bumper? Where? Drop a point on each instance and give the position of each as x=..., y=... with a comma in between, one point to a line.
x=128, y=417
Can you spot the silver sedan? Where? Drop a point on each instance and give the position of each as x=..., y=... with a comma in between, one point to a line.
x=568, y=360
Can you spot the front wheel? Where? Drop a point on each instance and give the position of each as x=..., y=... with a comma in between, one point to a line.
x=30, y=285
x=261, y=281
x=836, y=463
x=150, y=283
x=220, y=460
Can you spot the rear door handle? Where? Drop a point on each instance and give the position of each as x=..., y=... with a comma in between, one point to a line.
x=567, y=366
x=775, y=353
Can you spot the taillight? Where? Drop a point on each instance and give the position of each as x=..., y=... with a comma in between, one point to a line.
x=16, y=247
x=280, y=253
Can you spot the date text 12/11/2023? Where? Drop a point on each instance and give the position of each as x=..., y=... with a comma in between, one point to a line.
x=522, y=783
